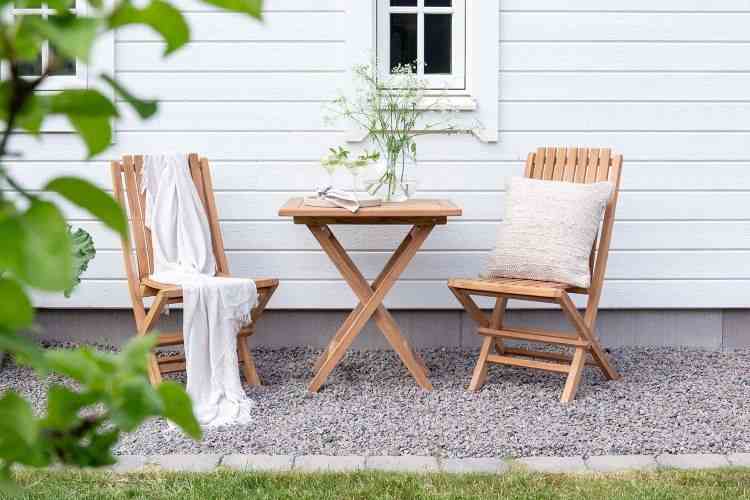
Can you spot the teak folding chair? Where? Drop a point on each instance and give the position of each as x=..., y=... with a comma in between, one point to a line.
x=566, y=165
x=126, y=176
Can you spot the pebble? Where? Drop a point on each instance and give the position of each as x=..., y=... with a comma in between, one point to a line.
x=669, y=400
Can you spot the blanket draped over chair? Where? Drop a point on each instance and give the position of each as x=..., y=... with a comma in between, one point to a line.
x=215, y=308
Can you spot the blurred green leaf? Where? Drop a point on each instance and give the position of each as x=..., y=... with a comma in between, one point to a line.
x=33, y=113
x=19, y=431
x=137, y=400
x=12, y=249
x=64, y=405
x=144, y=108
x=83, y=252
x=100, y=448
x=134, y=355
x=28, y=41
x=96, y=132
x=42, y=252
x=72, y=36
x=16, y=311
x=90, y=197
x=82, y=102
x=251, y=7
x=160, y=16
x=179, y=408
x=76, y=364
x=60, y=5
x=27, y=4
x=24, y=350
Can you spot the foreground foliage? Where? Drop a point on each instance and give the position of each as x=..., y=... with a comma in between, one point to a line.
x=701, y=485
x=38, y=252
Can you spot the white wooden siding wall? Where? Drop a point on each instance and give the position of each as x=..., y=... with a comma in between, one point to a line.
x=665, y=82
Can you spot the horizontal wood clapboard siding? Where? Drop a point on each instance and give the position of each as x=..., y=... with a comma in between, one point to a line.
x=667, y=83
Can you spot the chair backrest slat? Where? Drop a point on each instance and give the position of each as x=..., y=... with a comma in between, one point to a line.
x=570, y=165
x=136, y=210
x=217, y=240
x=130, y=170
x=582, y=166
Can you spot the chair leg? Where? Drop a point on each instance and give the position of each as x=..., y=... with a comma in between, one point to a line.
x=248, y=365
x=160, y=302
x=154, y=373
x=496, y=322
x=585, y=333
x=574, y=376
x=480, y=370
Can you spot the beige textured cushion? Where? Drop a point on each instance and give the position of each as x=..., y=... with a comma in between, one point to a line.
x=548, y=231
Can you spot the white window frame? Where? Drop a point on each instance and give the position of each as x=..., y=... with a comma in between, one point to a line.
x=52, y=82
x=459, y=31
x=102, y=61
x=480, y=99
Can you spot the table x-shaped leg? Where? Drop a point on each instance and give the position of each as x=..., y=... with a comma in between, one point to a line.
x=370, y=303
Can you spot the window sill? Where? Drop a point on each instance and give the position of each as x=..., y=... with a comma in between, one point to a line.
x=441, y=102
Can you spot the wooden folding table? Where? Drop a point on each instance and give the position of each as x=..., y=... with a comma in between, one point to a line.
x=423, y=216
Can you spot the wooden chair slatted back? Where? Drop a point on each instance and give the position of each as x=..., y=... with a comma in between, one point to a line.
x=581, y=165
x=127, y=178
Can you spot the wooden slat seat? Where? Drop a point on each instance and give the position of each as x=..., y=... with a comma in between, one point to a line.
x=578, y=165
x=511, y=286
x=127, y=177
x=174, y=291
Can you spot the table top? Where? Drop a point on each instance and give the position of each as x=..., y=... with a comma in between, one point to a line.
x=410, y=211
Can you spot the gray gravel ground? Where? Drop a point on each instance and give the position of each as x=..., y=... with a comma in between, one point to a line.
x=668, y=401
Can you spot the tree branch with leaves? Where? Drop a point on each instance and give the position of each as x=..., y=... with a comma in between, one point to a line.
x=111, y=393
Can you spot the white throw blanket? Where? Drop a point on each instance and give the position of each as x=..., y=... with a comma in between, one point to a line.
x=215, y=308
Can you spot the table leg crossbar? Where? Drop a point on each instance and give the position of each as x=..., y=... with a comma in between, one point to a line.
x=370, y=304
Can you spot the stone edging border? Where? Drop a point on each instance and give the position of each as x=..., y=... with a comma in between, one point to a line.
x=419, y=464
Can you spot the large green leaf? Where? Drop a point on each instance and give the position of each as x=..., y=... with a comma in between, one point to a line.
x=95, y=131
x=63, y=406
x=144, y=108
x=76, y=364
x=28, y=42
x=134, y=355
x=19, y=431
x=72, y=36
x=12, y=249
x=33, y=113
x=90, y=197
x=137, y=400
x=251, y=7
x=82, y=102
x=15, y=308
x=46, y=260
x=24, y=350
x=83, y=253
x=178, y=408
x=158, y=15
x=90, y=113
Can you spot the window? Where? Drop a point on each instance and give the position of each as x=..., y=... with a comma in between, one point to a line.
x=63, y=72
x=429, y=35
x=461, y=50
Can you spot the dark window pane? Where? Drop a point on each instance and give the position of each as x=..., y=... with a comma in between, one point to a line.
x=403, y=39
x=438, y=3
x=403, y=3
x=30, y=68
x=59, y=65
x=437, y=43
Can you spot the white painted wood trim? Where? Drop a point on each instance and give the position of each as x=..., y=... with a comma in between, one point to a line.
x=480, y=98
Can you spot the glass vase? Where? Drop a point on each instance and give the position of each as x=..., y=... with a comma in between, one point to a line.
x=392, y=182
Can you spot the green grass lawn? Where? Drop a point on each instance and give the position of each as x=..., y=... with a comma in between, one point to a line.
x=702, y=485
